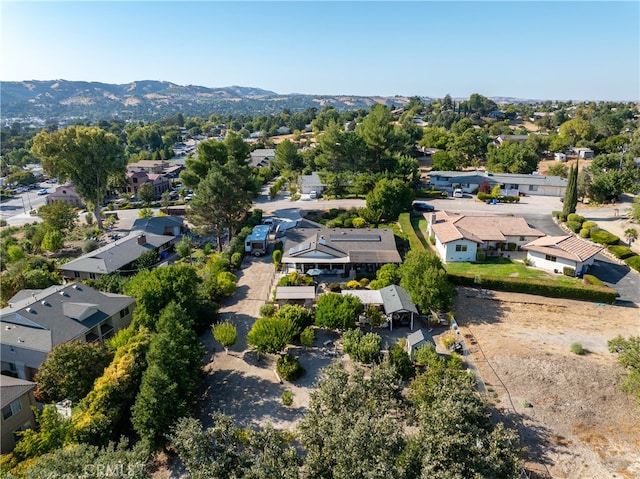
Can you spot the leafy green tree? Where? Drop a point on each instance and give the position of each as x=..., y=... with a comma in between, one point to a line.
x=558, y=170
x=225, y=451
x=21, y=178
x=364, y=348
x=53, y=241
x=223, y=198
x=59, y=215
x=226, y=334
x=571, y=193
x=155, y=289
x=171, y=381
x=147, y=260
x=227, y=282
x=443, y=161
x=307, y=337
x=287, y=157
x=183, y=247
x=147, y=193
x=351, y=427
x=390, y=198
x=377, y=132
x=387, y=275
x=53, y=432
x=399, y=359
x=80, y=460
x=299, y=316
x=425, y=279
x=628, y=351
x=88, y=156
x=70, y=371
x=337, y=311
x=271, y=335
x=512, y=157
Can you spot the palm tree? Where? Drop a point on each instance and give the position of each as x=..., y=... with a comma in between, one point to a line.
x=631, y=234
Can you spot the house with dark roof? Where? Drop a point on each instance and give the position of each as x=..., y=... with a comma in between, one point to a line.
x=262, y=157
x=160, y=225
x=344, y=251
x=554, y=253
x=511, y=184
x=119, y=256
x=158, y=173
x=35, y=321
x=460, y=237
x=16, y=401
x=393, y=300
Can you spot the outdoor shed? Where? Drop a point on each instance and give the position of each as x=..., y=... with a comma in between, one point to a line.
x=416, y=339
x=302, y=295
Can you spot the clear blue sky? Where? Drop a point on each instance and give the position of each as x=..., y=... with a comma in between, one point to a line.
x=545, y=50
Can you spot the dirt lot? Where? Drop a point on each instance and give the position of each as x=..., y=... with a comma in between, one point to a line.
x=572, y=418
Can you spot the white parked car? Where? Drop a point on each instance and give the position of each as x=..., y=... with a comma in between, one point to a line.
x=457, y=193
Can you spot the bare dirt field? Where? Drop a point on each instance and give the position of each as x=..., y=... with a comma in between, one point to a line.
x=572, y=417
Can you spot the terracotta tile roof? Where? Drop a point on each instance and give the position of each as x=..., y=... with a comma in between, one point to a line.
x=568, y=247
x=480, y=228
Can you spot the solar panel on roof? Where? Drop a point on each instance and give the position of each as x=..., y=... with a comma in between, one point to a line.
x=354, y=237
x=301, y=247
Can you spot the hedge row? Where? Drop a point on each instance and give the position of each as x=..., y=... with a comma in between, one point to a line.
x=621, y=252
x=431, y=194
x=633, y=262
x=501, y=199
x=551, y=289
x=407, y=228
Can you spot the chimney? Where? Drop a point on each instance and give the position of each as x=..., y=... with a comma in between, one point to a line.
x=433, y=219
x=142, y=239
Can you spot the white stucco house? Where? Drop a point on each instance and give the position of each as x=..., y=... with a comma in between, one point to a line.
x=554, y=253
x=460, y=237
x=511, y=184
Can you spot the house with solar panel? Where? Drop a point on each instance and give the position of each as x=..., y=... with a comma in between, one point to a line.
x=313, y=249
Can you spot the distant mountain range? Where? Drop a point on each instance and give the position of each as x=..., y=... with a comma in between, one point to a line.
x=152, y=100
x=149, y=100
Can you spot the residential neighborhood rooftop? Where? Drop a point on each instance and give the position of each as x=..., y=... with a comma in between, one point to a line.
x=569, y=247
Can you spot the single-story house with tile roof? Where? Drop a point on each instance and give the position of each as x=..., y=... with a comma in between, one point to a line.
x=119, y=256
x=393, y=300
x=35, y=321
x=416, y=339
x=459, y=237
x=262, y=157
x=511, y=184
x=301, y=295
x=338, y=250
x=16, y=401
x=309, y=183
x=554, y=253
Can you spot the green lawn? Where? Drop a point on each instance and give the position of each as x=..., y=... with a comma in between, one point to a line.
x=503, y=267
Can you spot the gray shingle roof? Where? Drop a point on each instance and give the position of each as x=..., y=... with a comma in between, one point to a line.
x=114, y=256
x=341, y=245
x=157, y=225
x=46, y=320
x=396, y=299
x=13, y=388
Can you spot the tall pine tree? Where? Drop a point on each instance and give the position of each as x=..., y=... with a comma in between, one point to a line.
x=571, y=193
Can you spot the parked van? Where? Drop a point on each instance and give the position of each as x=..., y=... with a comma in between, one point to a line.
x=457, y=193
x=313, y=195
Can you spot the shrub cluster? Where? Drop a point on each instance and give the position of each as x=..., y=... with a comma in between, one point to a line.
x=540, y=287
x=604, y=237
x=621, y=251
x=432, y=193
x=364, y=348
x=500, y=198
x=289, y=368
x=633, y=262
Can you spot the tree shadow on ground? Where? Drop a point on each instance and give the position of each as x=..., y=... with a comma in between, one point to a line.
x=537, y=442
x=480, y=306
x=255, y=400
